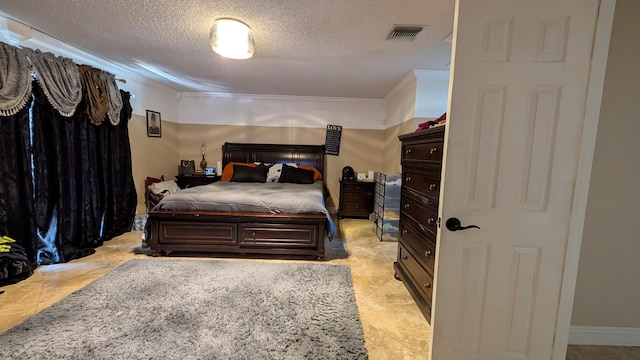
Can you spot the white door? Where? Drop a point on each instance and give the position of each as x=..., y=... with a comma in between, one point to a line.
x=520, y=73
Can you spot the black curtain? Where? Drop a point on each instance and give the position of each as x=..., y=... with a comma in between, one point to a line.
x=83, y=190
x=66, y=182
x=16, y=195
x=115, y=171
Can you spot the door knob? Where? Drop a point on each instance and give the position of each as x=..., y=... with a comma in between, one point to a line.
x=453, y=224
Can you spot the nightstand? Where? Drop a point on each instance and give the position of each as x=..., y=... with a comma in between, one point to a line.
x=356, y=198
x=187, y=181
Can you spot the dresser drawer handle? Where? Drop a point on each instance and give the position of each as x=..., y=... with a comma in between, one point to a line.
x=427, y=253
x=408, y=151
x=404, y=257
x=427, y=285
x=433, y=187
x=407, y=179
x=431, y=221
x=405, y=232
x=406, y=206
x=433, y=151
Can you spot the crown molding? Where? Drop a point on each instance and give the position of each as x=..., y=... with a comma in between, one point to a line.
x=288, y=98
x=409, y=80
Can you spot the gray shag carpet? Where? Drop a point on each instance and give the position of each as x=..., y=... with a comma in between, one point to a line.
x=199, y=309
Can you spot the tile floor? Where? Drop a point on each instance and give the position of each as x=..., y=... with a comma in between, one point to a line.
x=393, y=326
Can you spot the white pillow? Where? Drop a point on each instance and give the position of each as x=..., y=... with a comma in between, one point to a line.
x=159, y=187
x=275, y=171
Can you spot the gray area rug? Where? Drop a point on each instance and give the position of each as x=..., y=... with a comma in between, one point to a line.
x=197, y=309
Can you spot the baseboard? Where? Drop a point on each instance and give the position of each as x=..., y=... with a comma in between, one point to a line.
x=605, y=336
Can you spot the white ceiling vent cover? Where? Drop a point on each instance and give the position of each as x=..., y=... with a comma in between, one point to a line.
x=404, y=32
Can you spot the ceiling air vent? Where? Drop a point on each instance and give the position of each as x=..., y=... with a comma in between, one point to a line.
x=406, y=32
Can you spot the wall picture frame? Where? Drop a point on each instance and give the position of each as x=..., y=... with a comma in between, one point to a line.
x=154, y=124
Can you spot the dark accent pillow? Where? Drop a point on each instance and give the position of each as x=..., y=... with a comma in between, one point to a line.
x=295, y=175
x=249, y=174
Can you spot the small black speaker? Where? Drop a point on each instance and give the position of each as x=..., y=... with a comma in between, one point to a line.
x=347, y=173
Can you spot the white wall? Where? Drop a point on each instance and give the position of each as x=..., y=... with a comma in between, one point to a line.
x=150, y=95
x=400, y=102
x=421, y=94
x=432, y=93
x=280, y=111
x=607, y=295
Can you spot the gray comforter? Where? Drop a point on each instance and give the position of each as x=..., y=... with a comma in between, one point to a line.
x=270, y=197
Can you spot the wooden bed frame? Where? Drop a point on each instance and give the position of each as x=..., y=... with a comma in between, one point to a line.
x=241, y=233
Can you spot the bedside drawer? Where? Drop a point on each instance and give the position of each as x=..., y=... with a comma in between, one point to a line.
x=356, y=207
x=368, y=188
x=357, y=197
x=421, y=278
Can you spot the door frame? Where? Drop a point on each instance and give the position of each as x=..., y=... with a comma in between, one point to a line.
x=590, y=129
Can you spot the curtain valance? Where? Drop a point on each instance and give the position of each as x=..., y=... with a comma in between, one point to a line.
x=115, y=98
x=94, y=90
x=59, y=79
x=15, y=79
x=63, y=82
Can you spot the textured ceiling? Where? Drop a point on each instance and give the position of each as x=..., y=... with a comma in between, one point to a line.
x=335, y=48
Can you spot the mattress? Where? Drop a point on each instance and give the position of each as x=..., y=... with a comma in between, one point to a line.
x=269, y=197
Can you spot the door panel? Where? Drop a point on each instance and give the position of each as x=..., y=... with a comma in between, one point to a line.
x=520, y=73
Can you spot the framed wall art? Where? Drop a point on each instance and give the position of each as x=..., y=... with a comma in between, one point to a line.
x=154, y=124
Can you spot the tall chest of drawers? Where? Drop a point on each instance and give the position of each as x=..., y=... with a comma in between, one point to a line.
x=421, y=170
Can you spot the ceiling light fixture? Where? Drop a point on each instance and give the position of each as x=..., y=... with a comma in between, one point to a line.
x=232, y=39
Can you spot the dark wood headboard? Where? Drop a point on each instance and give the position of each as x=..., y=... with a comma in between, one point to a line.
x=311, y=155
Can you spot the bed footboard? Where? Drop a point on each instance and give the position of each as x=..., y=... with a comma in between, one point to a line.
x=238, y=234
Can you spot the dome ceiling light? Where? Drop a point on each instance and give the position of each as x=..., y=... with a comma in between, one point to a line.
x=232, y=39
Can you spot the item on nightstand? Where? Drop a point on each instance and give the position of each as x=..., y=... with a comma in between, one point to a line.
x=362, y=176
x=203, y=163
x=187, y=167
x=347, y=173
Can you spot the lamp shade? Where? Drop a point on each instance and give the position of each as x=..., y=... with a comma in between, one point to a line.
x=232, y=39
